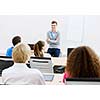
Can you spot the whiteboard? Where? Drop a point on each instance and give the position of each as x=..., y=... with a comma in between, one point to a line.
x=75, y=28
x=92, y=32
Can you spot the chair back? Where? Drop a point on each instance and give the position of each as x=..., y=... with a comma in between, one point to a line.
x=5, y=62
x=82, y=81
x=44, y=64
x=69, y=51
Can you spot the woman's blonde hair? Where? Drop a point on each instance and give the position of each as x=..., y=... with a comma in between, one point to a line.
x=21, y=53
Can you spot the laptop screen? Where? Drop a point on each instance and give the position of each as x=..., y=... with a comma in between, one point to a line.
x=69, y=51
x=31, y=46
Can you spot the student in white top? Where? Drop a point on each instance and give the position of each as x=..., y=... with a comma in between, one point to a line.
x=39, y=50
x=42, y=63
x=19, y=73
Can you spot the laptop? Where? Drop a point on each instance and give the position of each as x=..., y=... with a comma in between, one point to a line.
x=69, y=51
x=48, y=77
x=31, y=46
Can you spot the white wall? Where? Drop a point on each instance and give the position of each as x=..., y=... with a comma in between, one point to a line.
x=31, y=28
x=92, y=32
x=75, y=30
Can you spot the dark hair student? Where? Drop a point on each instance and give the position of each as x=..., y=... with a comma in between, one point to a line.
x=15, y=40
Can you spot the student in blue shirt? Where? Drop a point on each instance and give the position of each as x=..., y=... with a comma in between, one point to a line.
x=15, y=40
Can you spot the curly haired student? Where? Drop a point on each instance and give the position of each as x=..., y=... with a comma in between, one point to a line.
x=82, y=63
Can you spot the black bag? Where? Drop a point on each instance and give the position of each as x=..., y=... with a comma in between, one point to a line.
x=59, y=69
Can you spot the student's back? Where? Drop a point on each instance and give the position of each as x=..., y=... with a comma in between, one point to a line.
x=19, y=73
x=82, y=62
x=15, y=40
x=40, y=62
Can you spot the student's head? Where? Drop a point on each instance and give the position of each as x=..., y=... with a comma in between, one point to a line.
x=21, y=53
x=83, y=62
x=53, y=25
x=38, y=47
x=16, y=40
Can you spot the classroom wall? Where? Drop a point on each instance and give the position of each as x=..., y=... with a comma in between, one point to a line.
x=91, y=35
x=31, y=28
x=75, y=30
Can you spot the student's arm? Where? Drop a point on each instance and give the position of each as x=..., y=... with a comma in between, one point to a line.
x=66, y=75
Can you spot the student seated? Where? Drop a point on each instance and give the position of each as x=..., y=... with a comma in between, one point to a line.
x=15, y=40
x=19, y=73
x=40, y=60
x=39, y=50
x=82, y=62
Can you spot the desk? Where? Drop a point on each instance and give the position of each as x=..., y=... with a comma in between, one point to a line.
x=59, y=61
x=57, y=80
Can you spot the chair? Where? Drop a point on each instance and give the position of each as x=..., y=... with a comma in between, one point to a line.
x=5, y=62
x=82, y=81
x=43, y=64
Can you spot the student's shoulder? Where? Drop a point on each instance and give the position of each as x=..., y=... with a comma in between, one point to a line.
x=7, y=70
x=10, y=48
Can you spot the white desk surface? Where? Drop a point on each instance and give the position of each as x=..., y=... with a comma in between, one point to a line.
x=57, y=80
x=59, y=60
